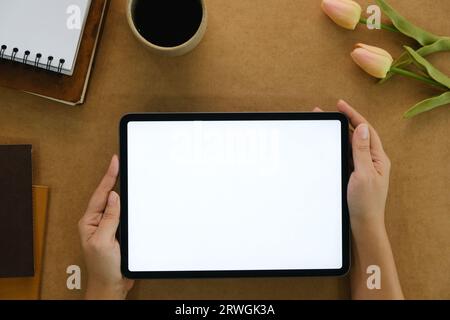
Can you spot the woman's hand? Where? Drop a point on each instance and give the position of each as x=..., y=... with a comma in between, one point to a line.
x=366, y=196
x=369, y=182
x=101, y=249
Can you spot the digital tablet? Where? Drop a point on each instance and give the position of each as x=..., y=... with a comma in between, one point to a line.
x=234, y=194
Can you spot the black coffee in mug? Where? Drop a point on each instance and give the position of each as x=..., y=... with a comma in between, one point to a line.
x=167, y=23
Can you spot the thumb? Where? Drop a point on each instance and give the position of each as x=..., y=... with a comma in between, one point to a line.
x=362, y=157
x=110, y=220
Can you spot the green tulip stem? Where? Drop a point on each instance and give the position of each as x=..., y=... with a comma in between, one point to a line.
x=413, y=75
x=383, y=26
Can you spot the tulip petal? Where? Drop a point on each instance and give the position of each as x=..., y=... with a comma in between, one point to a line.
x=375, y=50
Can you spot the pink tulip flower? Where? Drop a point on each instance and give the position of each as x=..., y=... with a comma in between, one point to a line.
x=375, y=61
x=345, y=13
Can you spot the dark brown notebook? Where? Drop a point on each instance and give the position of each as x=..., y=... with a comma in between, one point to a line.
x=55, y=86
x=16, y=211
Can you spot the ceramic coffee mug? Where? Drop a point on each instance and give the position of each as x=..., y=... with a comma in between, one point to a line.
x=168, y=27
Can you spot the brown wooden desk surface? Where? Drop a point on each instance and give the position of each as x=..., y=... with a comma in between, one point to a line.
x=271, y=55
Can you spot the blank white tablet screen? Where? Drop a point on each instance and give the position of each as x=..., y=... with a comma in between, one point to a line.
x=234, y=195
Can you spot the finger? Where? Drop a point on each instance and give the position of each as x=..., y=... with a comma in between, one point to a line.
x=100, y=196
x=362, y=158
x=110, y=220
x=356, y=119
x=316, y=109
x=354, y=116
x=351, y=132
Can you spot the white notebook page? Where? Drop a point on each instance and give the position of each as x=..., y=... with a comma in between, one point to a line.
x=47, y=27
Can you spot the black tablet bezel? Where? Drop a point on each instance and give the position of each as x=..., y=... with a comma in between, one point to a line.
x=232, y=117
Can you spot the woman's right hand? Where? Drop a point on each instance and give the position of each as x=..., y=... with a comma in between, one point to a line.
x=369, y=181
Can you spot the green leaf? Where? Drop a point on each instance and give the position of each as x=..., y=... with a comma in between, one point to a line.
x=433, y=72
x=428, y=105
x=404, y=60
x=406, y=27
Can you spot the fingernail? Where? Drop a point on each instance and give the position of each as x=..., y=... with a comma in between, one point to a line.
x=113, y=197
x=364, y=131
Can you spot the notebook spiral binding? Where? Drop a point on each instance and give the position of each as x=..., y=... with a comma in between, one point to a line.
x=25, y=59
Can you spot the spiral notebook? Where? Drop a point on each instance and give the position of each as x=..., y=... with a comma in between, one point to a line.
x=43, y=33
x=60, y=87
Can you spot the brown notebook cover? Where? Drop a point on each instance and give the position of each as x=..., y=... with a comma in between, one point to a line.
x=16, y=212
x=66, y=89
x=29, y=288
